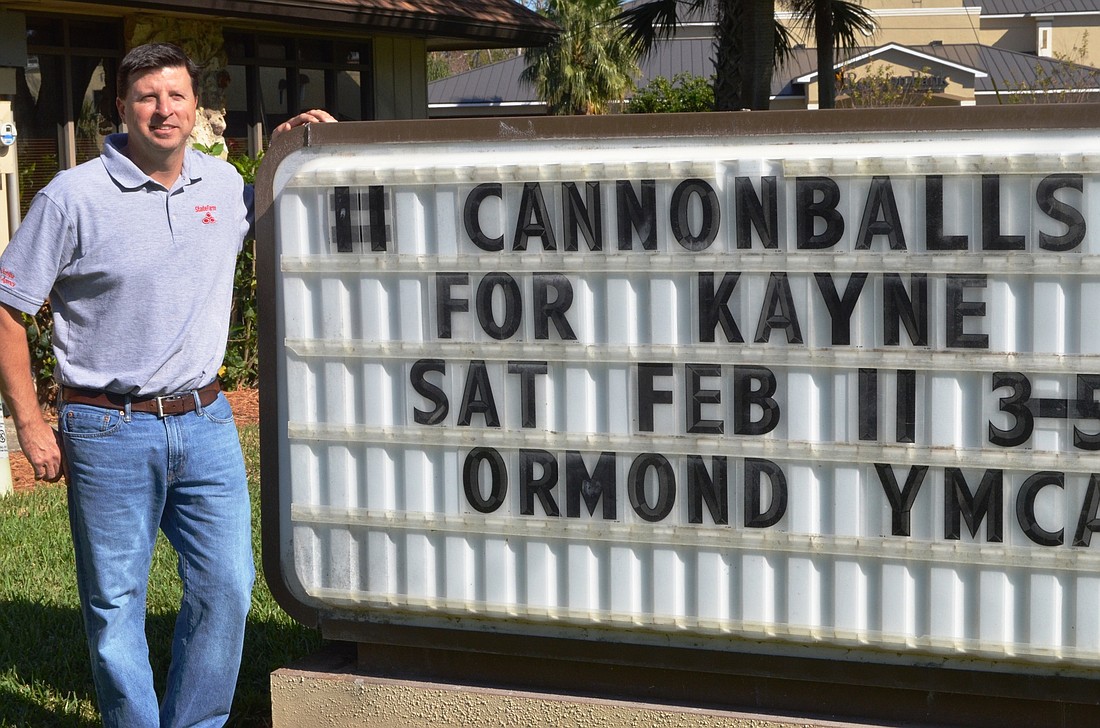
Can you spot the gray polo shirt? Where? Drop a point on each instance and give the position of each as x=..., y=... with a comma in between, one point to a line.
x=140, y=278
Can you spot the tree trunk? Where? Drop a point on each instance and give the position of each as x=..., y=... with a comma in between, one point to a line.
x=728, y=76
x=758, y=56
x=826, y=58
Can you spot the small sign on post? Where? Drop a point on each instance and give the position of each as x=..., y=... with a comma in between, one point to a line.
x=5, y=461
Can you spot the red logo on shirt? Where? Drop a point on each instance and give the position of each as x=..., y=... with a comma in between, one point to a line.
x=208, y=218
x=7, y=277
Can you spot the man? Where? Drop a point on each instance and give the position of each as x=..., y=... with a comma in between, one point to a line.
x=136, y=252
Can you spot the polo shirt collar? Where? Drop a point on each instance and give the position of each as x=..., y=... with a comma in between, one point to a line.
x=127, y=175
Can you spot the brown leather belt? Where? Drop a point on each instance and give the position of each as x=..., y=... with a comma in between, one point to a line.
x=163, y=406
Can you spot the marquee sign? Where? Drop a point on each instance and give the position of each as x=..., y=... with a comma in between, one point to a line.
x=687, y=384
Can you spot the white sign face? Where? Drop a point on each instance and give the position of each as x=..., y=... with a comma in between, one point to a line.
x=838, y=391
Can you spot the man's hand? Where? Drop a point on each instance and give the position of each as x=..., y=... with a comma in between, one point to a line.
x=37, y=439
x=41, y=445
x=313, y=116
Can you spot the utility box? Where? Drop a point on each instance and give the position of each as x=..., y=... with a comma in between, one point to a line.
x=807, y=396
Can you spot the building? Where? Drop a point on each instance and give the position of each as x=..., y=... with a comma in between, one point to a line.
x=965, y=52
x=262, y=62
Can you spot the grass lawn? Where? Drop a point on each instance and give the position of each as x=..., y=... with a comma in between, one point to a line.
x=44, y=674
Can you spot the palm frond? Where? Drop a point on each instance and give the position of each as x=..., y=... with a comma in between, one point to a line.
x=647, y=23
x=850, y=19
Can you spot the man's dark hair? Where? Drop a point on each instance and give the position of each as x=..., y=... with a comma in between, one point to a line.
x=153, y=56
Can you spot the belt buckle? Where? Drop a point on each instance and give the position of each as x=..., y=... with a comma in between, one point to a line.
x=162, y=399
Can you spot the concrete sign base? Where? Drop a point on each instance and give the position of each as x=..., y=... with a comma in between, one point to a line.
x=328, y=691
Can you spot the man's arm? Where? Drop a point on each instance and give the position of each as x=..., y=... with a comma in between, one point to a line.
x=36, y=438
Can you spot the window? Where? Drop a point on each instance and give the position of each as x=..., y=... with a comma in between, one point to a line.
x=64, y=102
x=272, y=78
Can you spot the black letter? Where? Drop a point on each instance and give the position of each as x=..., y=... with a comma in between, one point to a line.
x=1025, y=508
x=697, y=397
x=714, y=307
x=1068, y=215
x=867, y=404
x=701, y=487
x=1016, y=405
x=666, y=486
x=898, y=307
x=880, y=201
x=592, y=486
x=958, y=310
x=478, y=397
x=513, y=305
x=577, y=215
x=444, y=304
x=933, y=218
x=533, y=204
x=991, y=218
x=762, y=214
x=901, y=501
x=745, y=396
x=808, y=211
x=547, y=310
x=471, y=479
x=376, y=203
x=428, y=391
x=840, y=310
x=530, y=486
x=470, y=217
x=341, y=209
x=905, y=420
x=957, y=501
x=527, y=371
x=647, y=396
x=778, y=311
x=755, y=469
x=1088, y=523
x=1087, y=407
x=678, y=214
x=633, y=214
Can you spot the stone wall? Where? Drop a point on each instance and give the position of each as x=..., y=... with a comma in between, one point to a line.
x=203, y=42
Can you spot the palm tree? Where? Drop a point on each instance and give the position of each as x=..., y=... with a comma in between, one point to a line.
x=834, y=24
x=590, y=64
x=749, y=41
x=744, y=43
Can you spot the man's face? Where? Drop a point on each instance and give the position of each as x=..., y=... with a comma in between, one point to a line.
x=159, y=112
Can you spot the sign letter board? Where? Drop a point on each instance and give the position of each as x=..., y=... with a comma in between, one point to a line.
x=754, y=383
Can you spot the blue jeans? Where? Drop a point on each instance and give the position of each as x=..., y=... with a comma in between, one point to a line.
x=129, y=475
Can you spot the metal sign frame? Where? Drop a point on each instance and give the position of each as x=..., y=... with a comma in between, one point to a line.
x=586, y=654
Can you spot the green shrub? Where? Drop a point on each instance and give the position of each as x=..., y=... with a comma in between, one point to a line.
x=39, y=338
x=241, y=366
x=685, y=92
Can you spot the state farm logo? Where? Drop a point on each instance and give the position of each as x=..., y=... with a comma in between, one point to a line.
x=208, y=218
x=7, y=277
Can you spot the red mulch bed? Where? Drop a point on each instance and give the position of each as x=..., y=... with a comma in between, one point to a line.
x=246, y=411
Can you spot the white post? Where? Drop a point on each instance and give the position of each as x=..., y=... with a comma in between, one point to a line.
x=5, y=461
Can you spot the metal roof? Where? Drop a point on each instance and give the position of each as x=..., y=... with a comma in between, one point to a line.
x=706, y=15
x=1011, y=71
x=996, y=70
x=498, y=84
x=1034, y=7
x=988, y=7
x=501, y=23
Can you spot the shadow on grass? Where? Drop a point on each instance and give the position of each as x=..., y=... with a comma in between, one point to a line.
x=44, y=666
x=45, y=679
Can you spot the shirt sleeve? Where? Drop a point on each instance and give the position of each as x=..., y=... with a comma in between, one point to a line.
x=35, y=256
